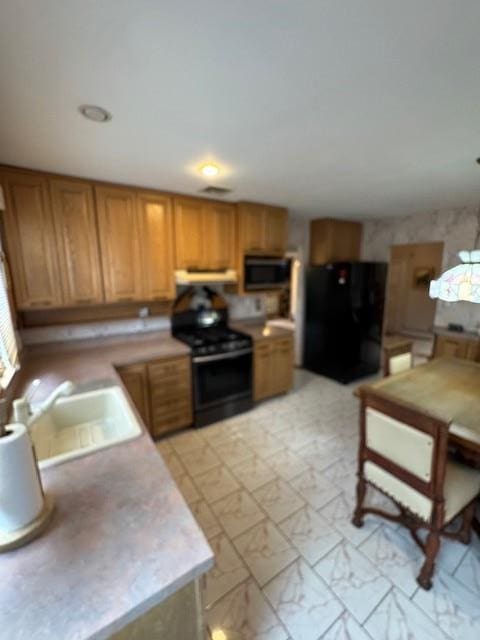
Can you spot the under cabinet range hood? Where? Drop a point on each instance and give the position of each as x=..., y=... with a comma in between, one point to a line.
x=227, y=276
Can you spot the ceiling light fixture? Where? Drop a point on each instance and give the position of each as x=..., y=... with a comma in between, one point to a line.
x=461, y=283
x=210, y=170
x=94, y=113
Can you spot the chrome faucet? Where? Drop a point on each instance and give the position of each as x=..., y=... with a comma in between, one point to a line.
x=22, y=408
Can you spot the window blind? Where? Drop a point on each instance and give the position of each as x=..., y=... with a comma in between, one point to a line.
x=8, y=338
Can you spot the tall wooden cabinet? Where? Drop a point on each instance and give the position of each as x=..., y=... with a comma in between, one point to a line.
x=204, y=234
x=77, y=242
x=263, y=229
x=31, y=244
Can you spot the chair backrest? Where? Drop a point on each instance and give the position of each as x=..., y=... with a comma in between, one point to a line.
x=403, y=448
x=400, y=362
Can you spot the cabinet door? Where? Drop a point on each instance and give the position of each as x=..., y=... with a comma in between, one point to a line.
x=347, y=238
x=282, y=365
x=473, y=350
x=219, y=233
x=30, y=239
x=450, y=347
x=263, y=387
x=118, y=225
x=189, y=241
x=135, y=379
x=252, y=223
x=276, y=230
x=155, y=213
x=77, y=241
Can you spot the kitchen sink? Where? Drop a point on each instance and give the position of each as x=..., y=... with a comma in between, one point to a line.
x=82, y=423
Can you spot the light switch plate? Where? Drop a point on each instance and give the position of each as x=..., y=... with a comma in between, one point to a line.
x=2, y=199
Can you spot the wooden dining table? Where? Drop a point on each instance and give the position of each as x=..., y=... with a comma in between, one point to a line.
x=448, y=388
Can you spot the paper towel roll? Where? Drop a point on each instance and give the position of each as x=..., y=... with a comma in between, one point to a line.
x=21, y=496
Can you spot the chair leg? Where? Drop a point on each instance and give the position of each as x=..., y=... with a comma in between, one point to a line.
x=431, y=549
x=357, y=519
x=465, y=532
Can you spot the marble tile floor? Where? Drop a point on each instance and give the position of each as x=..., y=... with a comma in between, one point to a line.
x=273, y=491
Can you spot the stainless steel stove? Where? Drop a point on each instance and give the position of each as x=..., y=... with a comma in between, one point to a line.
x=221, y=356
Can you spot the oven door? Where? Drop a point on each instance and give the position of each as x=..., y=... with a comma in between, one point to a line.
x=222, y=378
x=266, y=273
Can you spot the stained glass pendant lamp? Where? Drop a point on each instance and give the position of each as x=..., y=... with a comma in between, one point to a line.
x=461, y=283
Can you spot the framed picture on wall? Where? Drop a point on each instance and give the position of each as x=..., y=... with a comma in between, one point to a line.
x=422, y=277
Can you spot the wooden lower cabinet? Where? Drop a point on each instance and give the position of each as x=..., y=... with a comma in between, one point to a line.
x=273, y=367
x=161, y=391
x=456, y=347
x=135, y=379
x=170, y=383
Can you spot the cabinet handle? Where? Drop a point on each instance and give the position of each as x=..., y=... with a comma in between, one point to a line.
x=41, y=303
x=160, y=298
x=85, y=301
x=126, y=299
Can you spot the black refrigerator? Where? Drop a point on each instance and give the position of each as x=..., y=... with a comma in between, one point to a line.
x=343, y=319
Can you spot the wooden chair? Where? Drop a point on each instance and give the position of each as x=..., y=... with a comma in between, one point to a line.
x=403, y=453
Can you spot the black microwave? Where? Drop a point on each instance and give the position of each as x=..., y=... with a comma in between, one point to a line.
x=266, y=273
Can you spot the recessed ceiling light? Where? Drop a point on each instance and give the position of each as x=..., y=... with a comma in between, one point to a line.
x=92, y=112
x=210, y=170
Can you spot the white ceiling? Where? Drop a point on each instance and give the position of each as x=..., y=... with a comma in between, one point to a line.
x=344, y=107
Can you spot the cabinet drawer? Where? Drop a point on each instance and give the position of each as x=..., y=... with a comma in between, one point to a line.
x=284, y=344
x=168, y=368
x=175, y=388
x=169, y=404
x=170, y=421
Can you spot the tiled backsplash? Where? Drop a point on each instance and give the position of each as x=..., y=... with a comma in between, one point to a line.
x=455, y=227
x=239, y=308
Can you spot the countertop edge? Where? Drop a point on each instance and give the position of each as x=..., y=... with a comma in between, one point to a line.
x=153, y=601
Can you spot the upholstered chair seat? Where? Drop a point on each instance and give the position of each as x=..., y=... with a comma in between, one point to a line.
x=402, y=362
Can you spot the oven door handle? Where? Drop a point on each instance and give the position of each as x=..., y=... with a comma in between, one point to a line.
x=221, y=356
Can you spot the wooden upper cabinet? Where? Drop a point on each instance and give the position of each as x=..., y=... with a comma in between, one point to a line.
x=263, y=229
x=30, y=239
x=204, y=234
x=252, y=227
x=189, y=242
x=119, y=235
x=334, y=240
x=276, y=230
x=219, y=235
x=77, y=241
x=156, y=223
